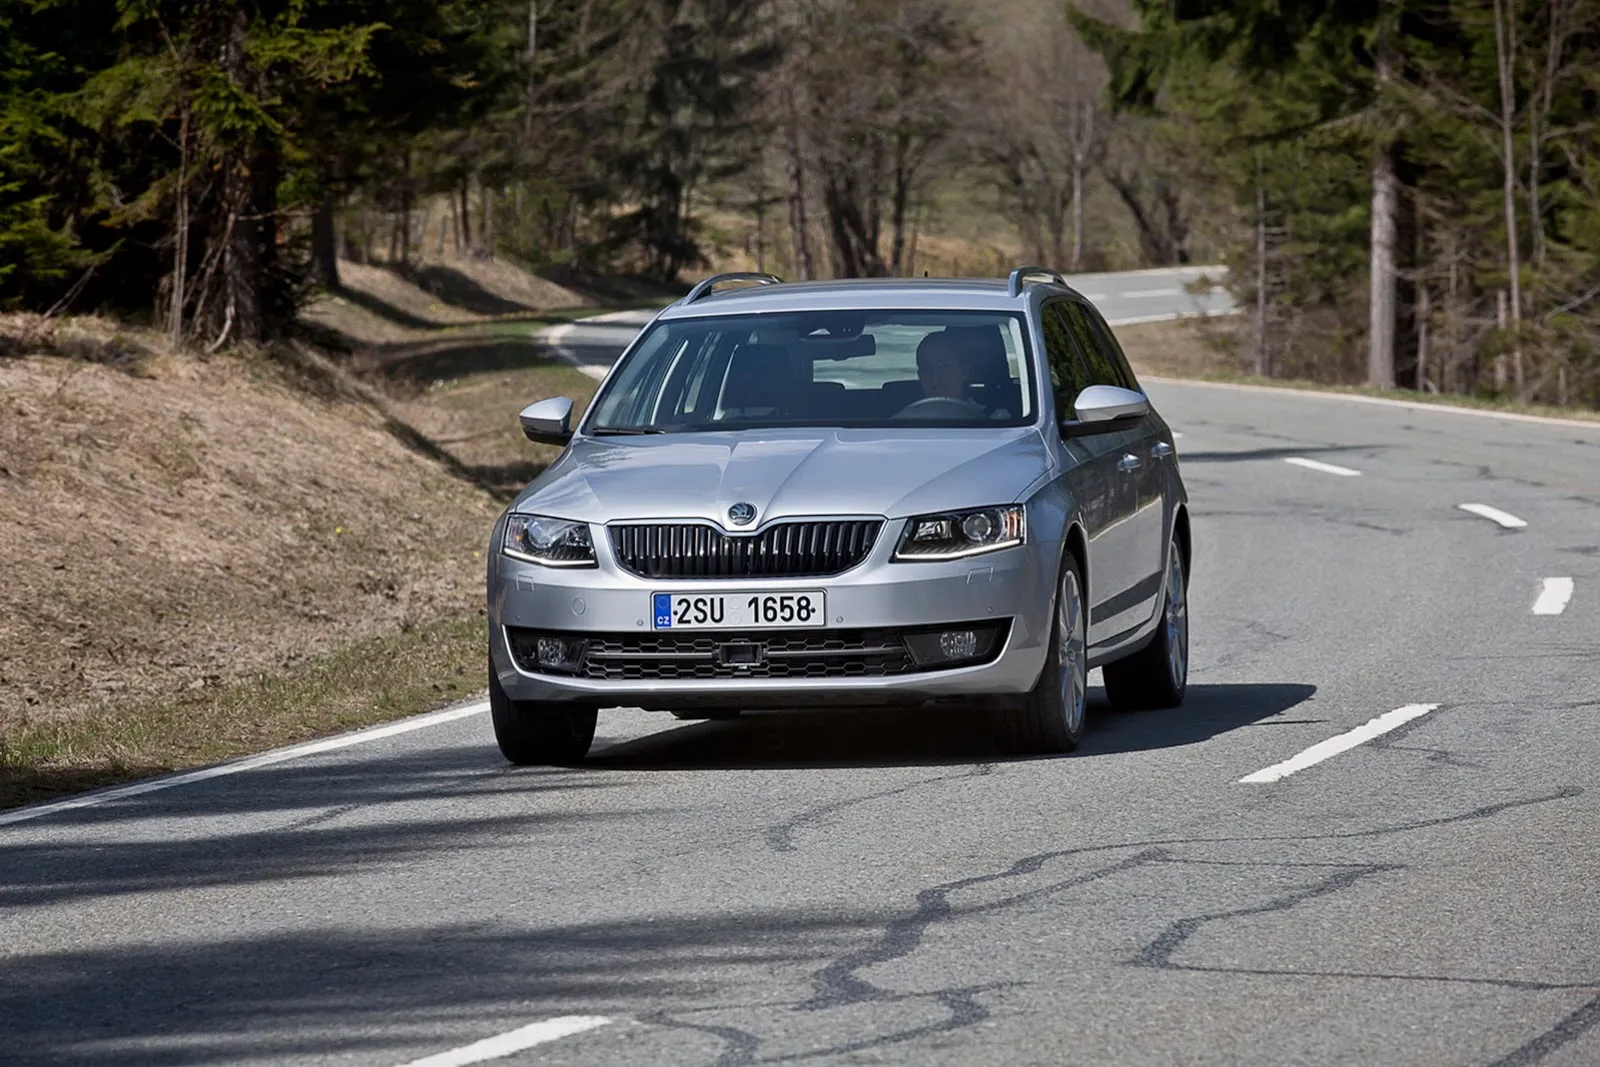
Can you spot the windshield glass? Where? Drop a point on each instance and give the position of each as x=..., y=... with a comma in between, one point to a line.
x=827, y=368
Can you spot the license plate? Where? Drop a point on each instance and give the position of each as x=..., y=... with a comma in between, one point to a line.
x=741, y=611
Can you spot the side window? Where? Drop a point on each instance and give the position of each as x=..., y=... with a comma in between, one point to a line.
x=1068, y=377
x=1108, y=341
x=1102, y=368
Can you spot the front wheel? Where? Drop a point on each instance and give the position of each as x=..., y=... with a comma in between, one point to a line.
x=1157, y=675
x=531, y=734
x=1050, y=720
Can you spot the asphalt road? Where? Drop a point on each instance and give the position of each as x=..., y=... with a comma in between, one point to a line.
x=820, y=887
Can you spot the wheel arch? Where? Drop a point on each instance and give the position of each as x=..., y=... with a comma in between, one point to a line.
x=1180, y=533
x=1076, y=544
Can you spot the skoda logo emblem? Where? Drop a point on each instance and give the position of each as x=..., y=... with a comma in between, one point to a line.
x=742, y=514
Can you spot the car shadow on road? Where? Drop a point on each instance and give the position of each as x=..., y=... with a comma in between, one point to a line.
x=932, y=736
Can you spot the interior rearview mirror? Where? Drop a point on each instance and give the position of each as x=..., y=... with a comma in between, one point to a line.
x=1105, y=409
x=548, y=422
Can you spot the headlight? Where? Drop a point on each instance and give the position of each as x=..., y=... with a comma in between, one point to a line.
x=552, y=542
x=959, y=534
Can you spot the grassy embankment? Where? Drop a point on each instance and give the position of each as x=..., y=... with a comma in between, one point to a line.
x=210, y=556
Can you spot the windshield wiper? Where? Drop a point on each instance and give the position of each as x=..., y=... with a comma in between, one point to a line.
x=624, y=431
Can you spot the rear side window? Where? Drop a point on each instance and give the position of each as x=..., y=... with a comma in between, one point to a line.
x=1103, y=368
x=1068, y=375
x=1108, y=341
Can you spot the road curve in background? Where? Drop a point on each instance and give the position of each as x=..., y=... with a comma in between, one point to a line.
x=592, y=344
x=1408, y=877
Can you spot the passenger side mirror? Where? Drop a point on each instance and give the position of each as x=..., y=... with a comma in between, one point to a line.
x=548, y=422
x=1105, y=409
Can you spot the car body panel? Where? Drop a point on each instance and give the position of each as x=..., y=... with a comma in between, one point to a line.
x=786, y=472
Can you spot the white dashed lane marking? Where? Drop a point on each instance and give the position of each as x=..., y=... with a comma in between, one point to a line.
x=494, y=1048
x=1325, y=468
x=1341, y=743
x=1504, y=518
x=1554, y=596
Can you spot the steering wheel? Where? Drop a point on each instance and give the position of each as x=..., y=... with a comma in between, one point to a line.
x=941, y=407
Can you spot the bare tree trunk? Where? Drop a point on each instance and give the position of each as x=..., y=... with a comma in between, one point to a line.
x=1505, y=45
x=407, y=194
x=529, y=56
x=180, y=234
x=1424, y=312
x=466, y=216
x=325, y=242
x=242, y=254
x=900, y=194
x=1452, y=318
x=1538, y=123
x=1502, y=320
x=486, y=223
x=1263, y=370
x=1077, y=212
x=1083, y=144
x=761, y=213
x=799, y=228
x=1381, y=330
x=916, y=228
x=1385, y=224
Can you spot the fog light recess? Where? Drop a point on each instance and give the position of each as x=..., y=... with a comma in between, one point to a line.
x=547, y=653
x=952, y=647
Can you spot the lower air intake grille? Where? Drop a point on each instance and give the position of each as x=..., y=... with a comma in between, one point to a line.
x=782, y=654
x=786, y=550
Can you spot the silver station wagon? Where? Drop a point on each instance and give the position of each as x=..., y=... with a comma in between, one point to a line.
x=792, y=495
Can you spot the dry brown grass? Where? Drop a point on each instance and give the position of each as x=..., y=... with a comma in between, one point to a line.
x=202, y=520
x=1181, y=348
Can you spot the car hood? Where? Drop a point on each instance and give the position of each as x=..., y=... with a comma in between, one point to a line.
x=894, y=473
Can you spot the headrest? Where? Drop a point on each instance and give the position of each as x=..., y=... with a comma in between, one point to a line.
x=761, y=376
x=985, y=350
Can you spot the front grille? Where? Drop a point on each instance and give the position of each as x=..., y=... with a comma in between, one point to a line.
x=782, y=654
x=816, y=549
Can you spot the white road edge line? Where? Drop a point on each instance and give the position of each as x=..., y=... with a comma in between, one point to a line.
x=1343, y=742
x=1325, y=468
x=250, y=763
x=1139, y=294
x=1504, y=518
x=1553, y=597
x=1357, y=398
x=493, y=1048
x=554, y=336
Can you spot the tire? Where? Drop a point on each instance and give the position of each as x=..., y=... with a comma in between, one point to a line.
x=1157, y=675
x=531, y=734
x=1050, y=720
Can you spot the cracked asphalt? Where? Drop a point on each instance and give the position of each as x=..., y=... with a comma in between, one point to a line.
x=820, y=887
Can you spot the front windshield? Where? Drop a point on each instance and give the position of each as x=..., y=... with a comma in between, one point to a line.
x=827, y=368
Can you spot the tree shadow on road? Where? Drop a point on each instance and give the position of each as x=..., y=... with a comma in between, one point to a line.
x=932, y=736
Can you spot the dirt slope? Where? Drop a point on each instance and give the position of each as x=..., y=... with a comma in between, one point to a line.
x=169, y=522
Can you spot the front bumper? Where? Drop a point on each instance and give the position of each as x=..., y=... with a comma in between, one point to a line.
x=1010, y=589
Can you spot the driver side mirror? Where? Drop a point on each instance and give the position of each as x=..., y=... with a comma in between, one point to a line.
x=1105, y=409
x=548, y=422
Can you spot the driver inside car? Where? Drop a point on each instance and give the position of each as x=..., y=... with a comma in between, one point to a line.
x=942, y=367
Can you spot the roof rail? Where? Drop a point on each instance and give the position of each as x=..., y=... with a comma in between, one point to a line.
x=1022, y=274
x=705, y=287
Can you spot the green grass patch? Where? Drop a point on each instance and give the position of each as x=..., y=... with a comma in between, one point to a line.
x=370, y=681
